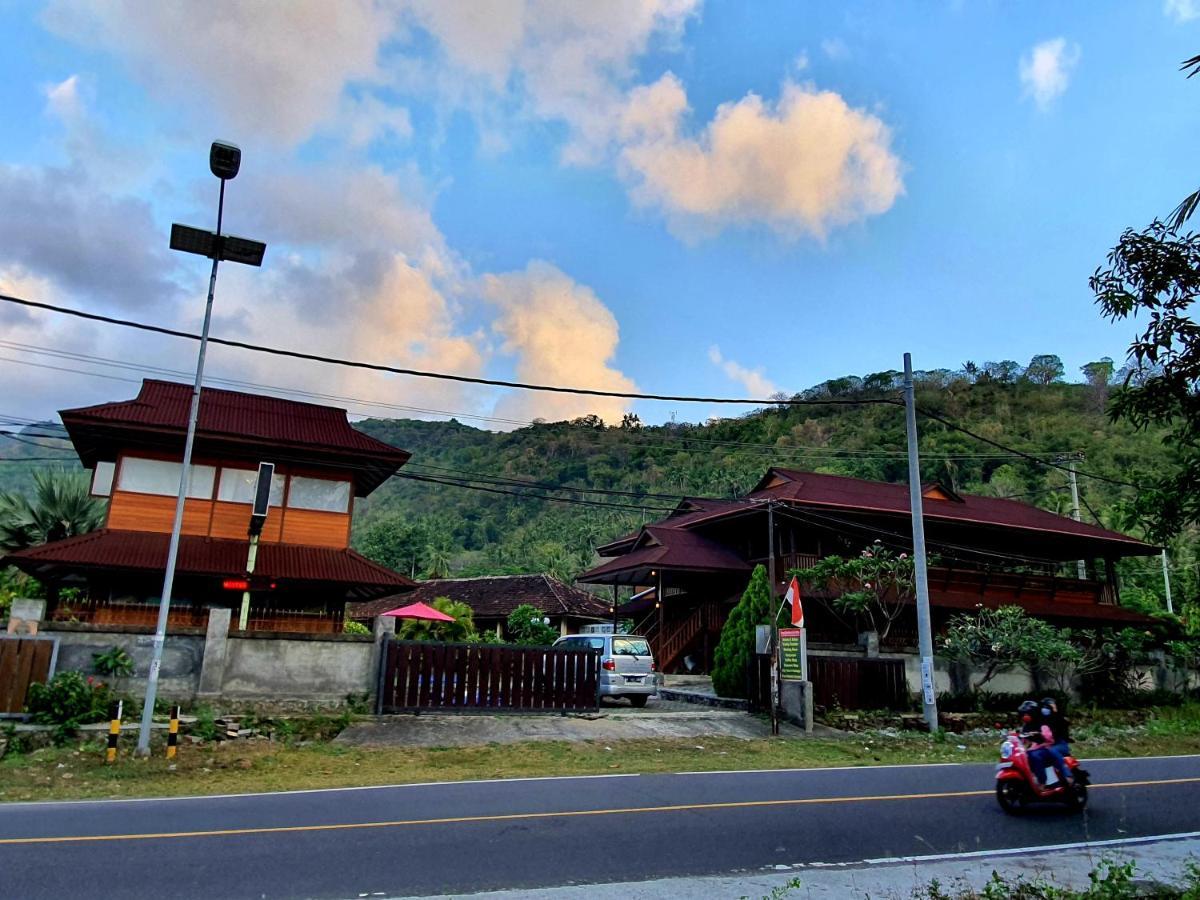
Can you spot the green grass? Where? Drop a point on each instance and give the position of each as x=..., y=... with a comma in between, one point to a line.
x=78, y=771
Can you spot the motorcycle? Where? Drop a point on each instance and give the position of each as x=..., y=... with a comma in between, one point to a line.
x=1016, y=786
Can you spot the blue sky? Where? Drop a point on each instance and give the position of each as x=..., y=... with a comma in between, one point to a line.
x=666, y=195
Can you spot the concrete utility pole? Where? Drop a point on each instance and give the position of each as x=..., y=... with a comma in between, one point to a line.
x=924, y=628
x=1167, y=581
x=1080, y=566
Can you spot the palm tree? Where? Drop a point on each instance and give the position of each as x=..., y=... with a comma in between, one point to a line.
x=62, y=507
x=461, y=629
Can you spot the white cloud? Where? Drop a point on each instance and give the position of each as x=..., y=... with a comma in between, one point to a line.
x=275, y=70
x=803, y=165
x=1045, y=71
x=565, y=61
x=561, y=333
x=1182, y=10
x=835, y=49
x=756, y=383
x=368, y=119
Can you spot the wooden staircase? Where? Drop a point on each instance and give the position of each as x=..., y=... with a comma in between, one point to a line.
x=669, y=648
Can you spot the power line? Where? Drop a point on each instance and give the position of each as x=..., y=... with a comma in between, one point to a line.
x=444, y=376
x=1022, y=453
x=528, y=496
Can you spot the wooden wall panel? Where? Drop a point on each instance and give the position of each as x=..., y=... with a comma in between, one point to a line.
x=320, y=529
x=150, y=512
x=230, y=520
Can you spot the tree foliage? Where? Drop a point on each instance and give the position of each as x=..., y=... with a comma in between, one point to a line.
x=874, y=587
x=525, y=626
x=61, y=507
x=1156, y=272
x=735, y=649
x=460, y=630
x=999, y=640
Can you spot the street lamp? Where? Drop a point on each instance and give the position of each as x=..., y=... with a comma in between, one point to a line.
x=224, y=161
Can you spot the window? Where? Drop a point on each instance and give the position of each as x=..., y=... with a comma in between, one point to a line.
x=237, y=486
x=319, y=493
x=102, y=479
x=630, y=647
x=158, y=476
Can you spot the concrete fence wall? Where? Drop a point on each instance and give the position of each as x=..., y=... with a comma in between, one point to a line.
x=213, y=664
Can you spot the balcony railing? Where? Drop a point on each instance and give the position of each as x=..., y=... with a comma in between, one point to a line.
x=184, y=615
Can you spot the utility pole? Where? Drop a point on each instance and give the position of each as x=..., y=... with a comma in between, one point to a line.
x=1167, y=581
x=924, y=628
x=1080, y=566
x=774, y=669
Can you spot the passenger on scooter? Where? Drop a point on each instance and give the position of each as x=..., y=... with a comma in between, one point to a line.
x=1038, y=739
x=1057, y=724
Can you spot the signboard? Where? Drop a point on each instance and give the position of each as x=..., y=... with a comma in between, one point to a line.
x=790, y=665
x=927, y=679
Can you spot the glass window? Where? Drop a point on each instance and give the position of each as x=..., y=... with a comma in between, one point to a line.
x=319, y=493
x=237, y=486
x=630, y=647
x=102, y=479
x=158, y=476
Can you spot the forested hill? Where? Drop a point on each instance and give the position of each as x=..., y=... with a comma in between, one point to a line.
x=422, y=527
x=438, y=525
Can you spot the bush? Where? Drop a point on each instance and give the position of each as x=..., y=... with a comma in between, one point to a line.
x=349, y=626
x=525, y=627
x=113, y=662
x=68, y=701
x=735, y=649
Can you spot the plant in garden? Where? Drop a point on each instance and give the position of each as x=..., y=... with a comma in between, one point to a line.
x=349, y=626
x=736, y=646
x=525, y=626
x=1120, y=652
x=998, y=640
x=68, y=701
x=877, y=585
x=113, y=662
x=461, y=629
x=62, y=507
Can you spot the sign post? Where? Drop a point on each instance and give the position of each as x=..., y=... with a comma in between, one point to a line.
x=258, y=517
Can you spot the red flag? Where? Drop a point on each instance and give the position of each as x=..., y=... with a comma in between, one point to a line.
x=793, y=597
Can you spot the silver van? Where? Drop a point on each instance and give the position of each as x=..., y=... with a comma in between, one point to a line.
x=626, y=664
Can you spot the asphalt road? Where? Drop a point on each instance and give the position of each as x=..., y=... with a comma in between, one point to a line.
x=474, y=836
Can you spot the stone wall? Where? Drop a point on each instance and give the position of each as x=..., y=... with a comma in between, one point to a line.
x=211, y=664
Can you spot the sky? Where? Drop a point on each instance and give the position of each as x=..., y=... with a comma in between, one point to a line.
x=664, y=196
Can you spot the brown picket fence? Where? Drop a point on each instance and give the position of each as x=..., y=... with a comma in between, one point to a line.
x=419, y=675
x=853, y=683
x=23, y=661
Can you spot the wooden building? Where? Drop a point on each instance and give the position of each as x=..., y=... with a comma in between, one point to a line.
x=493, y=598
x=982, y=550
x=305, y=570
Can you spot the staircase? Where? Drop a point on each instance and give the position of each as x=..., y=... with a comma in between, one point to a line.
x=669, y=648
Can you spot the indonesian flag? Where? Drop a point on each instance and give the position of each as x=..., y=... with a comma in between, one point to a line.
x=793, y=597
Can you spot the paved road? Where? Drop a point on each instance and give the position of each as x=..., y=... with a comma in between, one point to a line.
x=466, y=837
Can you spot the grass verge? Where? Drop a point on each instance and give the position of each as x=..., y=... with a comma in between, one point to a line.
x=79, y=772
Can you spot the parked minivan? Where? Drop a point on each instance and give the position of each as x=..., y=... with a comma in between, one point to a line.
x=626, y=664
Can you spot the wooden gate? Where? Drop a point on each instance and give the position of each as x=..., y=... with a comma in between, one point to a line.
x=415, y=676
x=24, y=661
x=851, y=683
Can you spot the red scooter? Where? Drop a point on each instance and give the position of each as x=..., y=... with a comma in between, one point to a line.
x=1016, y=786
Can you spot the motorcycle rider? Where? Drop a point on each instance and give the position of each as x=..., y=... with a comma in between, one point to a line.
x=1039, y=738
x=1057, y=723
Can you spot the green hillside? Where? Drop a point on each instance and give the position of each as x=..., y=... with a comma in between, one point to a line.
x=425, y=527
x=422, y=527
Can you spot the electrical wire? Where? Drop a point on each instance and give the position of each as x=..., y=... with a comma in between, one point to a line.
x=444, y=376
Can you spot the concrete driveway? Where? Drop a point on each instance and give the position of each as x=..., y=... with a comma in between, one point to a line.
x=618, y=721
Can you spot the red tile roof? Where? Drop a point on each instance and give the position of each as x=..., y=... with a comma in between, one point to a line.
x=308, y=430
x=858, y=495
x=138, y=551
x=494, y=597
x=665, y=547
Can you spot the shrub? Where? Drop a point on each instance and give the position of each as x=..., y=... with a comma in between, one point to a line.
x=113, y=662
x=735, y=649
x=525, y=626
x=349, y=626
x=68, y=701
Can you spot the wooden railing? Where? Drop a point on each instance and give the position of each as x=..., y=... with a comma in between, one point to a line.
x=785, y=562
x=706, y=616
x=184, y=615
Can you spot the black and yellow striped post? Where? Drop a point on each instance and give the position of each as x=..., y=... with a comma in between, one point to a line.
x=173, y=733
x=114, y=730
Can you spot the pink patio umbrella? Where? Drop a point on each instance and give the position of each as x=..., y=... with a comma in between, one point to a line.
x=419, y=611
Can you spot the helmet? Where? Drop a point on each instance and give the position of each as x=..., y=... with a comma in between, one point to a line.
x=1027, y=708
x=1049, y=701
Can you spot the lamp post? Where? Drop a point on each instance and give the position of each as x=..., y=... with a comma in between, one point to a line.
x=224, y=161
